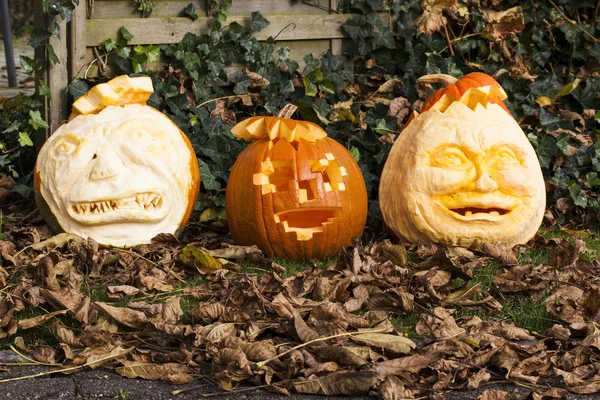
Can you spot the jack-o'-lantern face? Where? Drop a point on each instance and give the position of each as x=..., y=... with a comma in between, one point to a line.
x=120, y=176
x=463, y=176
x=296, y=199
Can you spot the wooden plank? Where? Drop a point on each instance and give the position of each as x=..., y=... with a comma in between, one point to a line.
x=336, y=44
x=172, y=30
x=174, y=8
x=76, y=45
x=58, y=78
x=41, y=134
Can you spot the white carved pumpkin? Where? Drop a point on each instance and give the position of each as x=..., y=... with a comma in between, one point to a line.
x=463, y=173
x=119, y=171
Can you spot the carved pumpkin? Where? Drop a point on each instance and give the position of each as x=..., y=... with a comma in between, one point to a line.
x=463, y=172
x=294, y=192
x=119, y=171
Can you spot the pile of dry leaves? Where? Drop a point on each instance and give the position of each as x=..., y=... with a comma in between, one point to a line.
x=322, y=331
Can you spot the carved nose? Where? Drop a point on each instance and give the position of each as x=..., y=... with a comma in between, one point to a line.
x=485, y=184
x=105, y=164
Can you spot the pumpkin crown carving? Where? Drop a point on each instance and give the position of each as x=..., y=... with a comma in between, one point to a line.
x=462, y=172
x=294, y=192
x=119, y=171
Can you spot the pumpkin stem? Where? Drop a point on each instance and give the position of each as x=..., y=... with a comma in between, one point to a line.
x=438, y=78
x=287, y=111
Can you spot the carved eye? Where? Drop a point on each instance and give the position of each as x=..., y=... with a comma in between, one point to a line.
x=66, y=145
x=142, y=139
x=450, y=157
x=503, y=156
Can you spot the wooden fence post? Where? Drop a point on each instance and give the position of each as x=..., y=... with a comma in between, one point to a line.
x=55, y=75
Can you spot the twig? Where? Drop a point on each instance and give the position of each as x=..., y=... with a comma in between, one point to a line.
x=261, y=364
x=20, y=378
x=575, y=24
x=29, y=359
x=449, y=41
x=218, y=98
x=176, y=392
x=283, y=29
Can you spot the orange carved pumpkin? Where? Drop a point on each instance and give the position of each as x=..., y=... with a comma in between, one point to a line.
x=294, y=192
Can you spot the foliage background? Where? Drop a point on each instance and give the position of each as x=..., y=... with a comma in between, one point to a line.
x=546, y=54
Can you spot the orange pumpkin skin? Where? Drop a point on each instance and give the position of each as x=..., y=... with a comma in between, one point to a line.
x=472, y=80
x=251, y=214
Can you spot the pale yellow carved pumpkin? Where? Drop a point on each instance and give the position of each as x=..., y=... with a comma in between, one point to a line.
x=119, y=171
x=463, y=173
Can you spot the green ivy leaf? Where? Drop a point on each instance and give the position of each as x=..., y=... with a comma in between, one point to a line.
x=44, y=89
x=38, y=37
x=384, y=37
x=258, y=22
x=30, y=65
x=578, y=197
x=355, y=28
x=190, y=11
x=355, y=153
x=24, y=139
x=125, y=34
x=78, y=88
x=546, y=150
x=36, y=121
x=51, y=54
x=110, y=45
x=14, y=126
x=209, y=181
x=592, y=180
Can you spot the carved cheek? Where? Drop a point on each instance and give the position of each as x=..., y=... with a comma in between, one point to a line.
x=510, y=170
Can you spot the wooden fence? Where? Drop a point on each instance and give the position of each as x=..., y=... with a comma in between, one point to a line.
x=306, y=26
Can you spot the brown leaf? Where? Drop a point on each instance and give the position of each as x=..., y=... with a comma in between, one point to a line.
x=219, y=331
x=395, y=300
x=433, y=18
x=256, y=80
x=39, y=320
x=494, y=394
x=96, y=357
x=64, y=334
x=499, y=252
x=235, y=252
x=400, y=108
x=412, y=364
x=6, y=184
x=503, y=24
x=481, y=376
x=120, y=290
x=338, y=383
x=170, y=372
x=126, y=316
x=304, y=332
x=282, y=306
x=341, y=355
x=393, y=389
x=193, y=256
x=45, y=354
x=396, y=344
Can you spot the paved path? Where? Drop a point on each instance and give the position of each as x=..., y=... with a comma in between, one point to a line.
x=25, y=84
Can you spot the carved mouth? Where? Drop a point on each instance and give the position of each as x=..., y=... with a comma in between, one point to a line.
x=142, y=207
x=480, y=213
x=469, y=211
x=307, y=221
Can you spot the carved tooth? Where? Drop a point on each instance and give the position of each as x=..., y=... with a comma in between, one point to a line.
x=468, y=214
x=495, y=213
